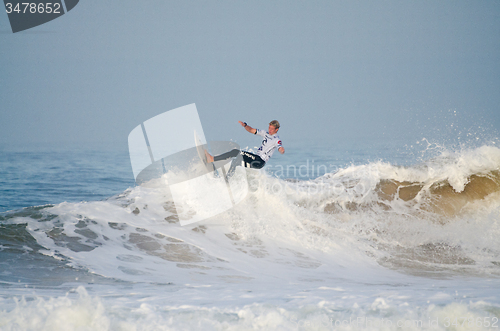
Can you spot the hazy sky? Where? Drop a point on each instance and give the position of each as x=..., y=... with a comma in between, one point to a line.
x=328, y=70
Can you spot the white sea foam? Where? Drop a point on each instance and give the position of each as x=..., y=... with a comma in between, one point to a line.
x=85, y=312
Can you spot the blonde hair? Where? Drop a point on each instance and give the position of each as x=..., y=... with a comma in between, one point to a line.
x=275, y=123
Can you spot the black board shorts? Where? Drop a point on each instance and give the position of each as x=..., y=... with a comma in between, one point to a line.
x=251, y=160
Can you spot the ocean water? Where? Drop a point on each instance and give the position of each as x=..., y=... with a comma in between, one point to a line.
x=367, y=235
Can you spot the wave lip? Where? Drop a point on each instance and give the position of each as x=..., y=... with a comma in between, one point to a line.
x=444, y=185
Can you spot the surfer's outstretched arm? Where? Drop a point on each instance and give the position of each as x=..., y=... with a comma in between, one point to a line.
x=247, y=127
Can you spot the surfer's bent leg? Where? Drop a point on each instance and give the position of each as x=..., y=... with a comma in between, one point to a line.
x=244, y=159
x=227, y=155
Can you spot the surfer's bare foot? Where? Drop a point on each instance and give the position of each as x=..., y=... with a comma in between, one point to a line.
x=209, y=157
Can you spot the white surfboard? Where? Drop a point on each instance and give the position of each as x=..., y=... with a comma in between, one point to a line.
x=200, y=149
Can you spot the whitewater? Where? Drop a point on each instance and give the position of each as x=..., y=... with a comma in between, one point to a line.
x=371, y=243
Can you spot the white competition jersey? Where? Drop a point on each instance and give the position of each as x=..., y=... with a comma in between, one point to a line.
x=269, y=144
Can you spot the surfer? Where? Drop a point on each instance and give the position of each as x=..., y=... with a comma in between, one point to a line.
x=270, y=143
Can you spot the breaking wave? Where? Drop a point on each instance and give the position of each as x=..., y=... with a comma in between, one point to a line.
x=435, y=218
